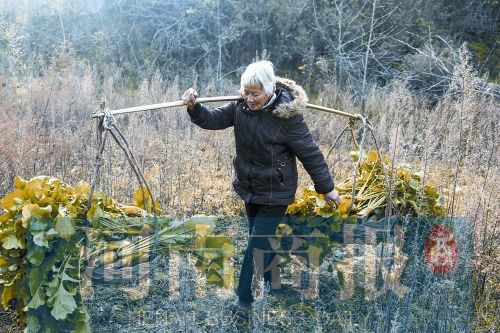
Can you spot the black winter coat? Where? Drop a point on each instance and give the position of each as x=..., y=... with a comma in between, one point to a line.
x=267, y=142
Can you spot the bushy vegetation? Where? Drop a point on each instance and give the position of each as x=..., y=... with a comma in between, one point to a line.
x=190, y=168
x=356, y=43
x=428, y=99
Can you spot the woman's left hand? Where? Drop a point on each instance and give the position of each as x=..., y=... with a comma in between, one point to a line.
x=333, y=198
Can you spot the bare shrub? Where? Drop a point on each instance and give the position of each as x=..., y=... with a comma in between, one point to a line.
x=46, y=129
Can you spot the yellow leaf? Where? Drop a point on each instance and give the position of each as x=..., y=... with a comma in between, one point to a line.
x=109, y=257
x=431, y=192
x=202, y=229
x=213, y=277
x=308, y=201
x=30, y=210
x=83, y=189
x=320, y=203
x=404, y=174
x=293, y=208
x=134, y=211
x=37, y=187
x=314, y=253
x=372, y=156
x=74, y=211
x=215, y=266
x=139, y=198
x=200, y=265
x=309, y=192
x=47, y=201
x=13, y=200
x=354, y=155
x=27, y=213
x=12, y=242
x=228, y=250
x=344, y=206
x=5, y=217
x=158, y=208
x=94, y=213
x=2, y=261
x=19, y=183
x=7, y=295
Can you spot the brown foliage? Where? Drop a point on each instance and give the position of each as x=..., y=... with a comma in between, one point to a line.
x=46, y=129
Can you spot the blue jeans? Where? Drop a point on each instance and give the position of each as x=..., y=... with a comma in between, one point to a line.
x=262, y=223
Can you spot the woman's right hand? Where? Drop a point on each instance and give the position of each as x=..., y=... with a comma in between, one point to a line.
x=189, y=97
x=333, y=198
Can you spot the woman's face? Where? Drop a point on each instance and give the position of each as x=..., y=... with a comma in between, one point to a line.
x=255, y=97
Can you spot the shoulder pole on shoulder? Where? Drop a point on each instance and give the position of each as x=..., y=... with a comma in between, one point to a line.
x=208, y=100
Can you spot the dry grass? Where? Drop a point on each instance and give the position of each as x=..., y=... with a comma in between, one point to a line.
x=46, y=129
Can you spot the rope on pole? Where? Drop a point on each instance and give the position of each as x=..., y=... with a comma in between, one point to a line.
x=208, y=100
x=107, y=123
x=337, y=112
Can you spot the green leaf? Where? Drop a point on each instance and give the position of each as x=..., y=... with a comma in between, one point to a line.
x=341, y=278
x=60, y=299
x=35, y=279
x=335, y=225
x=94, y=215
x=40, y=239
x=51, y=234
x=315, y=221
x=326, y=213
x=53, y=287
x=63, y=303
x=37, y=300
x=35, y=255
x=33, y=325
x=39, y=274
x=64, y=226
x=414, y=184
x=11, y=242
x=82, y=318
x=66, y=277
x=39, y=224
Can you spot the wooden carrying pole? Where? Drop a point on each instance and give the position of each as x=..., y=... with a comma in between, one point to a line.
x=212, y=99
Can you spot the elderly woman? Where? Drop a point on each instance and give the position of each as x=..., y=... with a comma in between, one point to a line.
x=270, y=133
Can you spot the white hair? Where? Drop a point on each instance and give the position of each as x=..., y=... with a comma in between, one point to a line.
x=260, y=72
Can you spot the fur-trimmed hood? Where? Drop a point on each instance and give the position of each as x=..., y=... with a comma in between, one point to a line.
x=293, y=98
